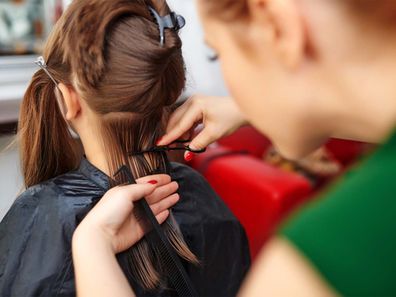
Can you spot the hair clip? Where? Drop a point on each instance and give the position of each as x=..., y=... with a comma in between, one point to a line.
x=170, y=21
x=175, y=146
x=40, y=62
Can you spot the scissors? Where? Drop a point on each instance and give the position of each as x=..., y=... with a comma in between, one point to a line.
x=178, y=145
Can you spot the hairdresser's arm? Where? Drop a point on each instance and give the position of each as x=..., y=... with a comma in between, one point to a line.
x=280, y=270
x=96, y=268
x=110, y=228
x=220, y=117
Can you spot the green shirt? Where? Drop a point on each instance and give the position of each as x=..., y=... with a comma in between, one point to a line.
x=349, y=234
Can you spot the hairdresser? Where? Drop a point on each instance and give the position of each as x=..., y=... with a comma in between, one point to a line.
x=302, y=71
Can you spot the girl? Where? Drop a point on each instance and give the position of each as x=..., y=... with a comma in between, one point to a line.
x=110, y=73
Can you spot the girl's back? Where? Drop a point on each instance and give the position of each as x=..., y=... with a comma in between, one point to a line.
x=35, y=235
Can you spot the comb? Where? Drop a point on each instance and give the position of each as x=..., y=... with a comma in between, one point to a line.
x=175, y=271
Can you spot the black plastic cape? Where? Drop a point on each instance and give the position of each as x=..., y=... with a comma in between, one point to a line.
x=35, y=235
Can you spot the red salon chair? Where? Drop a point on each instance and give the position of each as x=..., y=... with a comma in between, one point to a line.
x=259, y=194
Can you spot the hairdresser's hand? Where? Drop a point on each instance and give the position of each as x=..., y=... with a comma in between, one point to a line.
x=219, y=115
x=113, y=222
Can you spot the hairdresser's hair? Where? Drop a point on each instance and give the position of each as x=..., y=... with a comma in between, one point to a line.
x=227, y=10
x=381, y=11
x=110, y=53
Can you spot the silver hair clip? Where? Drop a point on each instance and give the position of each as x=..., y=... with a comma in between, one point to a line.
x=170, y=21
x=40, y=62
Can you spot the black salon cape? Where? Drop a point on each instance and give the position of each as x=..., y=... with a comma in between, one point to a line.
x=35, y=235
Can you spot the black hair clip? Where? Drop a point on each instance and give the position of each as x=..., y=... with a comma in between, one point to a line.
x=170, y=21
x=175, y=146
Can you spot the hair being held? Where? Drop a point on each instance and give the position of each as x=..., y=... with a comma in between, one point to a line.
x=109, y=52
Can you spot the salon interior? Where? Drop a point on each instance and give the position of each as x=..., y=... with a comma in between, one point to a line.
x=270, y=188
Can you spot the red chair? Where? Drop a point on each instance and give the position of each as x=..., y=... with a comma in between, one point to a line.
x=259, y=194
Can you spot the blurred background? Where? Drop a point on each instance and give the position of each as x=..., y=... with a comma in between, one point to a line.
x=24, y=26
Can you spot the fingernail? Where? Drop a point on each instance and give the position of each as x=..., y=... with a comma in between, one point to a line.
x=159, y=140
x=153, y=182
x=188, y=156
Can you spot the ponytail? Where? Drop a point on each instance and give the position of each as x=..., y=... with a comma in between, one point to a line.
x=46, y=146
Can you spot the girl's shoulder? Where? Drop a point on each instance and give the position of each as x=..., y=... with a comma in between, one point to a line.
x=191, y=182
x=68, y=195
x=37, y=231
x=198, y=199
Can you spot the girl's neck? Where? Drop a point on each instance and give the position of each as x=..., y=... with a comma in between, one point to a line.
x=95, y=155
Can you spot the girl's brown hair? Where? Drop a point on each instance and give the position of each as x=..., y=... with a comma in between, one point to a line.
x=109, y=51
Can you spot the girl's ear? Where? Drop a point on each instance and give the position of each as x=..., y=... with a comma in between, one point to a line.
x=71, y=102
x=283, y=19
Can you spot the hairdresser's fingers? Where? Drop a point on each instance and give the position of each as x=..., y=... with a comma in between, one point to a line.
x=165, y=204
x=207, y=136
x=134, y=192
x=164, y=187
x=158, y=179
x=161, y=217
x=177, y=128
x=162, y=192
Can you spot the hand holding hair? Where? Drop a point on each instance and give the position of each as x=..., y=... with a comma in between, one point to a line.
x=220, y=117
x=113, y=219
x=110, y=228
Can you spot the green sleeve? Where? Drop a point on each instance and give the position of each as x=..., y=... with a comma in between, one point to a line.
x=349, y=234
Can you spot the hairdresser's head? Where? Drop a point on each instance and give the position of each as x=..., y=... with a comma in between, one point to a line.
x=306, y=70
x=116, y=82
